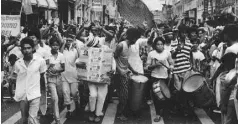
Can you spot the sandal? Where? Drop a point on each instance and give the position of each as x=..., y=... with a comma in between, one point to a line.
x=91, y=117
x=157, y=119
x=122, y=118
x=97, y=119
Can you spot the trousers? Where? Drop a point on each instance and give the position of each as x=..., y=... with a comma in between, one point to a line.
x=98, y=93
x=70, y=88
x=123, y=92
x=55, y=90
x=230, y=116
x=29, y=111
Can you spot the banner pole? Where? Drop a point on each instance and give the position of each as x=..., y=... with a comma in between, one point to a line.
x=20, y=15
x=21, y=8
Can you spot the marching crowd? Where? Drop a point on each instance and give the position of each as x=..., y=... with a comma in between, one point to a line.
x=45, y=58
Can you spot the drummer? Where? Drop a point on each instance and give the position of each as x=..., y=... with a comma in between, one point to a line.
x=182, y=65
x=159, y=72
x=124, y=69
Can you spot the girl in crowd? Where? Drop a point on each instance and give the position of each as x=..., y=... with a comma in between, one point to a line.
x=159, y=72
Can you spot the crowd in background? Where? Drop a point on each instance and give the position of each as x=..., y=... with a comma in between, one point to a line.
x=45, y=57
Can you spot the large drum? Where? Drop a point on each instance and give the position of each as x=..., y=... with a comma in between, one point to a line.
x=137, y=91
x=161, y=90
x=196, y=85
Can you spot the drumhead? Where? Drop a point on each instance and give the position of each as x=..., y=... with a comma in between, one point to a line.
x=139, y=78
x=193, y=83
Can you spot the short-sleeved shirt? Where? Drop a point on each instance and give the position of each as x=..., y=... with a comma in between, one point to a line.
x=42, y=52
x=28, y=78
x=181, y=62
x=57, y=61
x=70, y=73
x=161, y=71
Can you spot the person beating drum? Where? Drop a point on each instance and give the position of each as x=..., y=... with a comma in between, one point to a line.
x=159, y=72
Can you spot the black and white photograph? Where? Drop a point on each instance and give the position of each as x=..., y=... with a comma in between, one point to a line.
x=119, y=61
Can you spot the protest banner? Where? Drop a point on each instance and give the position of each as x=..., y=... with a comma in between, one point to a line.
x=10, y=25
x=95, y=64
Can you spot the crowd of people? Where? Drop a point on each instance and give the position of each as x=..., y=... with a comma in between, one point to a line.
x=45, y=58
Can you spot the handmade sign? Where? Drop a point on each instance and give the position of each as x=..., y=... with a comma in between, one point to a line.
x=94, y=64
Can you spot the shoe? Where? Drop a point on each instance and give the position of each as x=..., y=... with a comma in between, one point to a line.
x=122, y=118
x=57, y=121
x=191, y=104
x=97, y=119
x=185, y=113
x=157, y=118
x=69, y=115
x=149, y=102
x=91, y=117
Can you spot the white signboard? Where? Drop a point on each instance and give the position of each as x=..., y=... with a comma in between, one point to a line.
x=97, y=5
x=10, y=25
x=98, y=62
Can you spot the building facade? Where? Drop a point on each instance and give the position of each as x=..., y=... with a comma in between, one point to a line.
x=41, y=10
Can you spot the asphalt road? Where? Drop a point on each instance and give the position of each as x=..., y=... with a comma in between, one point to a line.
x=11, y=114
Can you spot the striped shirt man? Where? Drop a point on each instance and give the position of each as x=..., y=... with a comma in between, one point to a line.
x=182, y=63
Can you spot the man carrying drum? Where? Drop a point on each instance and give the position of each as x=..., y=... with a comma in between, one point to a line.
x=182, y=65
x=123, y=68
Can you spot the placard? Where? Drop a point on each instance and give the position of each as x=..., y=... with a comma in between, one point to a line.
x=95, y=64
x=10, y=25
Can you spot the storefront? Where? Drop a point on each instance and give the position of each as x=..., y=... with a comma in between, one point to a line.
x=40, y=10
x=66, y=10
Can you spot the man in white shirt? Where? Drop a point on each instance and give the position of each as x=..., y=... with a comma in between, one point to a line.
x=29, y=70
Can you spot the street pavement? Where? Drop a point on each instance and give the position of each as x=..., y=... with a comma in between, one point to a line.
x=146, y=115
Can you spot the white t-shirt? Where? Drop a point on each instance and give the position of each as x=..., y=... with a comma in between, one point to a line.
x=134, y=57
x=161, y=71
x=70, y=73
x=232, y=49
x=16, y=51
x=198, y=56
x=42, y=52
x=80, y=44
x=57, y=61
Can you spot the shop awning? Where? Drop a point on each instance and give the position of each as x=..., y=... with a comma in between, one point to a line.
x=16, y=0
x=33, y=2
x=52, y=4
x=42, y=3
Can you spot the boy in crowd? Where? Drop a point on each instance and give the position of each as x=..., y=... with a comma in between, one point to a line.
x=29, y=71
